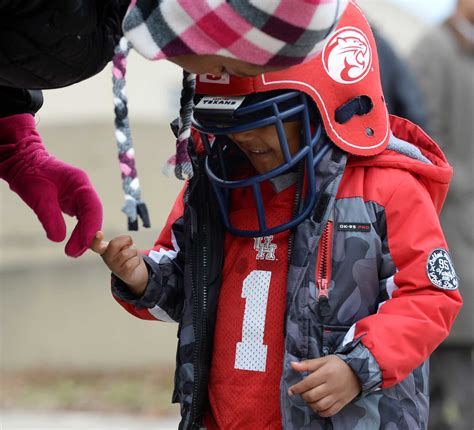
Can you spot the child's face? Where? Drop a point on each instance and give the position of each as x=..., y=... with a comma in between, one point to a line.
x=262, y=146
x=217, y=65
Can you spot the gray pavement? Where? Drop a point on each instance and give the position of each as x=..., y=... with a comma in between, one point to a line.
x=25, y=420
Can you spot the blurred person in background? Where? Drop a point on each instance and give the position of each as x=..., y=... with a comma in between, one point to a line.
x=51, y=44
x=400, y=88
x=443, y=61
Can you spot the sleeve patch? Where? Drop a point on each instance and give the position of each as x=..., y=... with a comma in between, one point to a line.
x=440, y=270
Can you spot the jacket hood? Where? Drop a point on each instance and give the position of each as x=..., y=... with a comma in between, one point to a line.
x=411, y=149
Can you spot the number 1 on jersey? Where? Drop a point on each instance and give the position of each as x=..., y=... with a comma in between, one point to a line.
x=251, y=353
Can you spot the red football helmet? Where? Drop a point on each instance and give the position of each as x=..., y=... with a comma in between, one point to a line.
x=342, y=83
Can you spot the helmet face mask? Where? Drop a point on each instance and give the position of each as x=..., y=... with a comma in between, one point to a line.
x=271, y=109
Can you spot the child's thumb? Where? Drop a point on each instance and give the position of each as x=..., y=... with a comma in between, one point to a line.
x=98, y=245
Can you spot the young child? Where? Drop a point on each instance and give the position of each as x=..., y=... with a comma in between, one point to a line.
x=304, y=260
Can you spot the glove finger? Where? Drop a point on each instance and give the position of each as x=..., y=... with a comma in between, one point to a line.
x=51, y=218
x=89, y=222
x=42, y=197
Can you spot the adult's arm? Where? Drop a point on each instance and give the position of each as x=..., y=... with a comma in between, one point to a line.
x=50, y=44
x=47, y=185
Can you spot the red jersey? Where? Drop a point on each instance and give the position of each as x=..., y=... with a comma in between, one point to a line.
x=244, y=383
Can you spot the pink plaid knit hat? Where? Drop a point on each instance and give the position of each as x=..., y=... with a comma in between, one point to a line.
x=263, y=32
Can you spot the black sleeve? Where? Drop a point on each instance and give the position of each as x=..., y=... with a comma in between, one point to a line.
x=16, y=100
x=54, y=43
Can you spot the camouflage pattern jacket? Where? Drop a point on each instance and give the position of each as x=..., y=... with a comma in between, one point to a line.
x=392, y=291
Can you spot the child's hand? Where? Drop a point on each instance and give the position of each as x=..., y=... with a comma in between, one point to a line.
x=123, y=260
x=329, y=387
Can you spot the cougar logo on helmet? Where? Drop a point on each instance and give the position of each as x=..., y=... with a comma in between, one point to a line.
x=347, y=56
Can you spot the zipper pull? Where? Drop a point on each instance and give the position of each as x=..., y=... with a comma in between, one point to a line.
x=323, y=298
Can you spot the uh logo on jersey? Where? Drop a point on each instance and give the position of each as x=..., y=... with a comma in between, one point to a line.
x=265, y=248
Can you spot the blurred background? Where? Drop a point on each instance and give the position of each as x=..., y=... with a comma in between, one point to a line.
x=66, y=345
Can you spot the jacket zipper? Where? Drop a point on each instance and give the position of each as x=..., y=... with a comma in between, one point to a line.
x=323, y=281
x=199, y=280
x=323, y=270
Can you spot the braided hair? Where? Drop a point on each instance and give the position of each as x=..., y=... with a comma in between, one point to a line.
x=133, y=207
x=180, y=163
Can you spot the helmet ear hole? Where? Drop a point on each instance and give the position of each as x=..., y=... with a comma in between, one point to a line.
x=360, y=105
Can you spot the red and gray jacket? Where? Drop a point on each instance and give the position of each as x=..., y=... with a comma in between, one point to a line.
x=372, y=282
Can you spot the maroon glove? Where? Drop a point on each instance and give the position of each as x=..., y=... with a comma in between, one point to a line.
x=47, y=185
